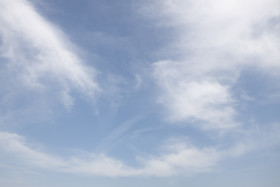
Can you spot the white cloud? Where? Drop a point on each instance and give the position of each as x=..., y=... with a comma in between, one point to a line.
x=183, y=160
x=180, y=160
x=194, y=99
x=17, y=148
x=179, y=157
x=15, y=144
x=215, y=41
x=100, y=165
x=38, y=54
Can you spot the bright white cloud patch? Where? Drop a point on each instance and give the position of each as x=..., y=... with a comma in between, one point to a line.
x=194, y=99
x=39, y=54
x=216, y=41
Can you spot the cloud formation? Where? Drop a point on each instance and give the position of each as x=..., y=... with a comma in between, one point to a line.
x=215, y=41
x=193, y=99
x=38, y=55
x=178, y=158
x=182, y=160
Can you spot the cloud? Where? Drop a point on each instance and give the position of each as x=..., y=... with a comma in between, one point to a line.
x=180, y=160
x=15, y=146
x=193, y=99
x=178, y=156
x=38, y=56
x=14, y=143
x=214, y=42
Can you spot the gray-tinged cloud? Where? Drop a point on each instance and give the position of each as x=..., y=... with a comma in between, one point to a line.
x=38, y=56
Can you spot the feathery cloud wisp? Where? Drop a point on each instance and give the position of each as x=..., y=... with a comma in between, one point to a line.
x=38, y=55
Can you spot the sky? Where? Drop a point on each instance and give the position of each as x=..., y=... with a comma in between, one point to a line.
x=169, y=93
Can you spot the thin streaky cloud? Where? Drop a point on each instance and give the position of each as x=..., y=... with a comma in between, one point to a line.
x=167, y=164
x=42, y=52
x=179, y=158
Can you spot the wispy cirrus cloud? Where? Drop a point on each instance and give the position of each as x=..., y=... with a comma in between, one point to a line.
x=37, y=55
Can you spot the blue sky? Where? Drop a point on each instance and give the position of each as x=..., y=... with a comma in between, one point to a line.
x=139, y=93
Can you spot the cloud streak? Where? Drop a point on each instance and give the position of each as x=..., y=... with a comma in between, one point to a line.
x=178, y=158
x=38, y=54
x=183, y=158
